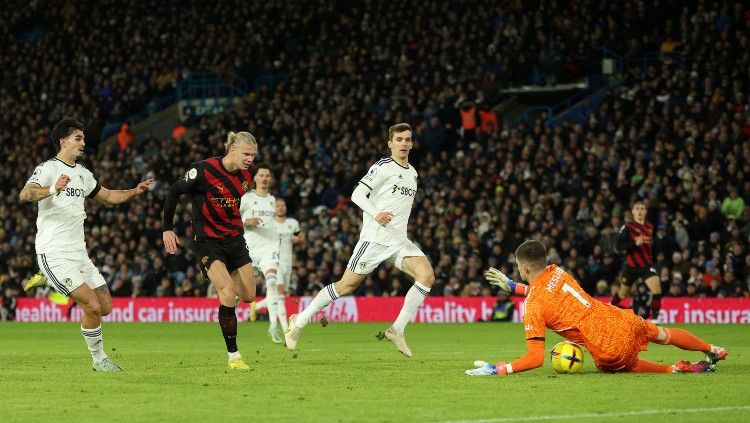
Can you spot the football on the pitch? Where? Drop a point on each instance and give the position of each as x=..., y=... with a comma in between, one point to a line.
x=567, y=357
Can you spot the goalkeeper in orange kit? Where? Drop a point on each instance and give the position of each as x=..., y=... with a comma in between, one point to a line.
x=614, y=337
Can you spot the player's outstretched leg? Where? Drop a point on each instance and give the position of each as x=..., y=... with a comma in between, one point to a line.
x=229, y=287
x=281, y=311
x=703, y=366
x=348, y=283
x=91, y=328
x=271, y=303
x=687, y=341
x=298, y=321
x=644, y=366
x=420, y=269
x=654, y=285
x=228, y=324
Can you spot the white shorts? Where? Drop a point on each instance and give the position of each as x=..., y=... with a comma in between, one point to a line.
x=284, y=275
x=368, y=255
x=265, y=260
x=67, y=271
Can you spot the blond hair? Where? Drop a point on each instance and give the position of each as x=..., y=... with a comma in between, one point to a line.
x=239, y=137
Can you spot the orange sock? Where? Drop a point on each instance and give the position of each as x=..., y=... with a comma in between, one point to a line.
x=686, y=340
x=644, y=366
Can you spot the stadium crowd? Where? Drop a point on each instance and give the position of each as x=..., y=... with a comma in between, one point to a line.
x=677, y=133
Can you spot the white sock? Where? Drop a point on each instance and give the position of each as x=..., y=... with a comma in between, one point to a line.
x=324, y=297
x=94, y=341
x=271, y=295
x=233, y=355
x=261, y=304
x=281, y=312
x=414, y=298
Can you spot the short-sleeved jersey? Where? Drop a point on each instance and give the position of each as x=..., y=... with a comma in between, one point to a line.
x=262, y=238
x=636, y=256
x=215, y=194
x=557, y=302
x=393, y=189
x=286, y=229
x=59, y=221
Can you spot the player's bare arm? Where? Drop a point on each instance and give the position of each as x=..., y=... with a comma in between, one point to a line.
x=32, y=192
x=111, y=197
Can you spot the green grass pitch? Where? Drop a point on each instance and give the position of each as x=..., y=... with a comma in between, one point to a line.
x=177, y=372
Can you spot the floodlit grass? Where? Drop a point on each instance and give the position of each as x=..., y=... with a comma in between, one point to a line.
x=177, y=372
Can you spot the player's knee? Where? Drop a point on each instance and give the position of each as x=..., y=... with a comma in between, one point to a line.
x=228, y=297
x=344, y=288
x=247, y=297
x=427, y=278
x=92, y=308
x=106, y=309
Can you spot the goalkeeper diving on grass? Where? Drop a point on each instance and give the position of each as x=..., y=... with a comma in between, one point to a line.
x=614, y=337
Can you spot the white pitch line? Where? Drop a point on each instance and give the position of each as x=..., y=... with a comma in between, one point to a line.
x=605, y=415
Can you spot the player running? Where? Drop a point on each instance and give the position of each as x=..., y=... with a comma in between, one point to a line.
x=60, y=186
x=385, y=194
x=634, y=239
x=290, y=234
x=613, y=336
x=258, y=208
x=215, y=186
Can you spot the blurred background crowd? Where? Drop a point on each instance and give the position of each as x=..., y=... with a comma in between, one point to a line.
x=675, y=133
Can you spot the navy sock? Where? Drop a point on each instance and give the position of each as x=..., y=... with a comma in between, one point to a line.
x=228, y=323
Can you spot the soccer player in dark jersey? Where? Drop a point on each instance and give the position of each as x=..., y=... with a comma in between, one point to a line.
x=215, y=186
x=634, y=240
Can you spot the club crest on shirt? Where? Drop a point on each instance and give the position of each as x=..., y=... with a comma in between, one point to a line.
x=204, y=260
x=362, y=265
x=245, y=185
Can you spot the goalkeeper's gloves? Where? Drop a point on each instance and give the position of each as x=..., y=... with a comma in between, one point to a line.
x=497, y=278
x=501, y=368
x=483, y=368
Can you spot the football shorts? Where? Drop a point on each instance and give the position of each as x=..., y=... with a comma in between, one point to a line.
x=68, y=271
x=368, y=255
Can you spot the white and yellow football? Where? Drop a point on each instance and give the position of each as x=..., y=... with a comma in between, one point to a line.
x=567, y=357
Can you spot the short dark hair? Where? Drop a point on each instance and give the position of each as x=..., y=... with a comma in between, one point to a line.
x=64, y=128
x=399, y=127
x=266, y=166
x=532, y=253
x=635, y=203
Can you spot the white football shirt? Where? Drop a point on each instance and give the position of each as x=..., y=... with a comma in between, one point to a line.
x=262, y=238
x=286, y=229
x=393, y=190
x=59, y=222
